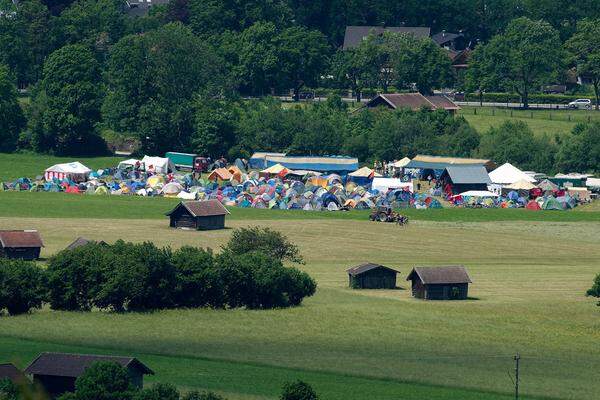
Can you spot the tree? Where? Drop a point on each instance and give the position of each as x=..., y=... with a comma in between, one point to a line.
x=298, y=391
x=22, y=286
x=158, y=391
x=11, y=114
x=258, y=57
x=303, y=56
x=595, y=289
x=153, y=80
x=104, y=381
x=515, y=142
x=585, y=51
x=527, y=55
x=13, y=45
x=274, y=243
x=580, y=151
x=67, y=104
x=215, y=131
x=357, y=68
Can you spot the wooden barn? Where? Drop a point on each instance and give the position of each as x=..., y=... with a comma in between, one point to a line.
x=12, y=373
x=57, y=372
x=25, y=245
x=81, y=241
x=372, y=276
x=440, y=283
x=199, y=215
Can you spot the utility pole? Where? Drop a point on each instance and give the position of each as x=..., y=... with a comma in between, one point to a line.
x=517, y=358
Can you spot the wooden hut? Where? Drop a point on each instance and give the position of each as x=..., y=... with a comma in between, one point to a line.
x=440, y=283
x=25, y=245
x=199, y=215
x=12, y=373
x=372, y=276
x=81, y=241
x=57, y=372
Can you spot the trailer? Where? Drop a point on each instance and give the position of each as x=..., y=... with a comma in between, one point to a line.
x=188, y=161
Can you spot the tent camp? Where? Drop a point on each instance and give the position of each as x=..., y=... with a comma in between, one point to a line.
x=74, y=171
x=158, y=165
x=507, y=174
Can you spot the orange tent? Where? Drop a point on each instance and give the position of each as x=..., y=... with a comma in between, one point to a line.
x=219, y=175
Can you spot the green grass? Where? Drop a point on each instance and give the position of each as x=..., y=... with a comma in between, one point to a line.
x=13, y=166
x=550, y=122
x=63, y=205
x=527, y=297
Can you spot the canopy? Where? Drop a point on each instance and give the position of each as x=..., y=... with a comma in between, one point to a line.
x=401, y=163
x=478, y=193
x=322, y=164
x=364, y=172
x=274, y=169
x=521, y=185
x=158, y=164
x=507, y=174
x=74, y=171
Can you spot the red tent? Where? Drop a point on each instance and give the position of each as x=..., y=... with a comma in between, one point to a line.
x=533, y=205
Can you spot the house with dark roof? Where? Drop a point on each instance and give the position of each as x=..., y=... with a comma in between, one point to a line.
x=12, y=373
x=372, y=276
x=57, y=372
x=413, y=101
x=462, y=178
x=449, y=40
x=81, y=241
x=17, y=244
x=199, y=215
x=440, y=283
x=354, y=35
x=140, y=8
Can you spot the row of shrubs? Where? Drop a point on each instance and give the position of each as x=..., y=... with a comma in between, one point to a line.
x=533, y=98
x=110, y=381
x=249, y=272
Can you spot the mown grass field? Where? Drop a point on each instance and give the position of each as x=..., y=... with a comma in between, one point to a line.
x=551, y=122
x=530, y=275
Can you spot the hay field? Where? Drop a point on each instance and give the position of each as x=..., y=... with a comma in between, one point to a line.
x=528, y=297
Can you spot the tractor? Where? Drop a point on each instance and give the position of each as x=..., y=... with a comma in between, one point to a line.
x=386, y=214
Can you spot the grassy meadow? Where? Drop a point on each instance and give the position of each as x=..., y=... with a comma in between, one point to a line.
x=529, y=278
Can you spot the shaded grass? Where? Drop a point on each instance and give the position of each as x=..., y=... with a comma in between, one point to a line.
x=529, y=280
x=63, y=205
x=30, y=165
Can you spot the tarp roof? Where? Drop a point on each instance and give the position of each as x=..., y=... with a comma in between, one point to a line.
x=321, y=164
x=274, y=169
x=466, y=174
x=521, y=185
x=507, y=174
x=364, y=172
x=438, y=162
x=401, y=163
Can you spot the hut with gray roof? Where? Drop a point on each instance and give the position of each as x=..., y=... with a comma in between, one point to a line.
x=440, y=283
x=198, y=215
x=372, y=276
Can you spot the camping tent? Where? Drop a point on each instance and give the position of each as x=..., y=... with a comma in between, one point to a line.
x=128, y=163
x=507, y=174
x=158, y=165
x=548, y=186
x=364, y=172
x=74, y=171
x=276, y=169
x=400, y=163
x=384, y=184
x=533, y=205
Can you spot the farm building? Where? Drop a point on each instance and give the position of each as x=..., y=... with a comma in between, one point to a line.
x=25, y=245
x=440, y=283
x=12, y=373
x=199, y=215
x=81, y=241
x=372, y=276
x=413, y=101
x=57, y=372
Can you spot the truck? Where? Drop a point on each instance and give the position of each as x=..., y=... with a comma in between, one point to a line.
x=187, y=161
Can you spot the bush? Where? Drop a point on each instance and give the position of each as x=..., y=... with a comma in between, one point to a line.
x=8, y=390
x=515, y=98
x=159, y=391
x=244, y=240
x=298, y=391
x=104, y=381
x=22, y=286
x=595, y=290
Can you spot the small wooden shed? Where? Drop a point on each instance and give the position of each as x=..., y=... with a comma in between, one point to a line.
x=81, y=241
x=25, y=245
x=57, y=372
x=372, y=276
x=199, y=215
x=440, y=283
x=12, y=373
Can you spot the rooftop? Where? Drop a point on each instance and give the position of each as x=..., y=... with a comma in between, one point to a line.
x=14, y=238
x=440, y=275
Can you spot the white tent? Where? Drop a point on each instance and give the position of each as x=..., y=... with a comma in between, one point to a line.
x=383, y=184
x=128, y=163
x=400, y=163
x=507, y=174
x=364, y=172
x=158, y=164
x=478, y=193
x=521, y=185
x=74, y=171
x=592, y=182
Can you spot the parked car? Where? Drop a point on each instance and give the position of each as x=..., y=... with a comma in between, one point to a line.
x=580, y=103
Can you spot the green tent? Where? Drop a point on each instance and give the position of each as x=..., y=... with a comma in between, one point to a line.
x=552, y=204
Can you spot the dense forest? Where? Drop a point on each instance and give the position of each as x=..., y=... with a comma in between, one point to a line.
x=178, y=78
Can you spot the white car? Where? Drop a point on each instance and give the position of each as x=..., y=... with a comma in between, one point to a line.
x=580, y=103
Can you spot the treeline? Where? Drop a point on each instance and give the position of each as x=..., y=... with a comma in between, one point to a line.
x=105, y=380
x=141, y=277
